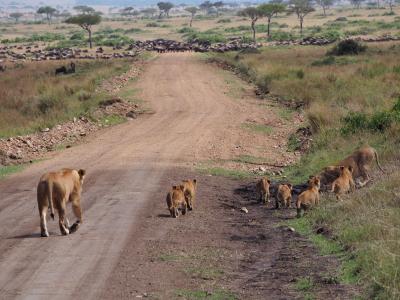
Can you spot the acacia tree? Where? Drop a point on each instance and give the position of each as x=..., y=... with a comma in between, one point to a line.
x=391, y=4
x=301, y=8
x=48, y=11
x=85, y=22
x=129, y=11
x=218, y=5
x=325, y=4
x=164, y=7
x=269, y=10
x=356, y=3
x=254, y=14
x=84, y=9
x=149, y=11
x=192, y=10
x=16, y=16
x=206, y=6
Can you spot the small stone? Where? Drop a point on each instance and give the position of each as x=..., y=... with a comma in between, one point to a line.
x=291, y=229
x=262, y=169
x=46, y=129
x=244, y=209
x=82, y=133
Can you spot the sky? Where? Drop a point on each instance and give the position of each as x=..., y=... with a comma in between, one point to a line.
x=103, y=2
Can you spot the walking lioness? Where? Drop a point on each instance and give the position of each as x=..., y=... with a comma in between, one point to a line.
x=56, y=189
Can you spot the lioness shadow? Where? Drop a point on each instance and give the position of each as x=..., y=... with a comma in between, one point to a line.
x=164, y=216
x=28, y=236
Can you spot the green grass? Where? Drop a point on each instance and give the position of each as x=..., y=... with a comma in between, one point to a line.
x=248, y=159
x=205, y=273
x=8, y=170
x=304, y=284
x=33, y=98
x=218, y=171
x=170, y=257
x=217, y=294
x=286, y=113
x=324, y=245
x=111, y=120
x=259, y=128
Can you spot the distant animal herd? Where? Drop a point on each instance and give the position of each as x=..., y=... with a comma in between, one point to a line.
x=56, y=189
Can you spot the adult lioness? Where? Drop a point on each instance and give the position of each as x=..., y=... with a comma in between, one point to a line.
x=190, y=192
x=56, y=189
x=359, y=160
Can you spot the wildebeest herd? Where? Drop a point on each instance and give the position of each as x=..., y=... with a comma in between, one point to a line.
x=56, y=189
x=31, y=52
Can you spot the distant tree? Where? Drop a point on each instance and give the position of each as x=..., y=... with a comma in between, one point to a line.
x=218, y=5
x=129, y=11
x=206, y=6
x=149, y=11
x=325, y=4
x=16, y=16
x=85, y=22
x=48, y=11
x=84, y=9
x=164, y=7
x=254, y=14
x=269, y=10
x=301, y=8
x=192, y=10
x=356, y=3
x=391, y=4
x=63, y=15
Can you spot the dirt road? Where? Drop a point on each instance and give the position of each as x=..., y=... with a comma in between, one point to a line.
x=124, y=164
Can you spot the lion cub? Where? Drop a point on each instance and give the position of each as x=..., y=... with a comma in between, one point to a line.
x=284, y=196
x=176, y=200
x=309, y=197
x=190, y=192
x=344, y=183
x=262, y=189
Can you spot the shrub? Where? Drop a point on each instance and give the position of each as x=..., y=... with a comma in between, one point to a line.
x=206, y=37
x=389, y=13
x=347, y=47
x=378, y=121
x=227, y=20
x=326, y=61
x=341, y=19
x=300, y=74
x=186, y=30
x=281, y=36
x=153, y=24
x=332, y=35
x=263, y=83
x=354, y=122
